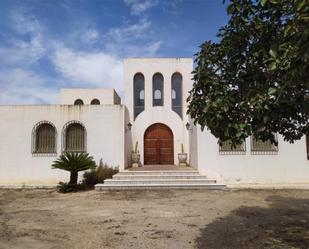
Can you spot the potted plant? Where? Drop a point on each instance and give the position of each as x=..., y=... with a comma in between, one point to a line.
x=182, y=157
x=135, y=156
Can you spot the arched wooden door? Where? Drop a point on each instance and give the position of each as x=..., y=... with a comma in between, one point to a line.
x=158, y=145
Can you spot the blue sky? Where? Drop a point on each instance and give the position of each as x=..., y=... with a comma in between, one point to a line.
x=46, y=45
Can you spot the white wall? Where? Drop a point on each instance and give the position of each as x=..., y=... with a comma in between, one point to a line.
x=288, y=166
x=157, y=114
x=105, y=139
x=105, y=96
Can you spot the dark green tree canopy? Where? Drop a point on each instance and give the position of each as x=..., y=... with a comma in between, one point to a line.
x=256, y=78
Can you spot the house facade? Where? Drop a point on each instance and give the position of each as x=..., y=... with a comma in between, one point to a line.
x=153, y=115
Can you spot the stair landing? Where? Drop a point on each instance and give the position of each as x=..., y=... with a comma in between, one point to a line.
x=159, y=167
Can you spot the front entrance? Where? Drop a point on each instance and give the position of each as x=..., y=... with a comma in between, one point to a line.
x=158, y=145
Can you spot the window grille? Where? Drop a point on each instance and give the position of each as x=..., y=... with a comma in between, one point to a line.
x=75, y=137
x=44, y=138
x=78, y=102
x=227, y=148
x=95, y=102
x=263, y=147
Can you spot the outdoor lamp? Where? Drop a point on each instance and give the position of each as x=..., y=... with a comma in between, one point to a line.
x=188, y=126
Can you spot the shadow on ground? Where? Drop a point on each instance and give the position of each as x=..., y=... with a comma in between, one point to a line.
x=284, y=224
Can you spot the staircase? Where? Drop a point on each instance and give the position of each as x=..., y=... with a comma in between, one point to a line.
x=170, y=179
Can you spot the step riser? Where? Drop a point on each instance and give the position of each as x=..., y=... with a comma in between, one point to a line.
x=132, y=180
x=115, y=182
x=141, y=177
x=159, y=173
x=132, y=187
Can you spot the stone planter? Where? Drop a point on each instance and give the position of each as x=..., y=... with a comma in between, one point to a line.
x=182, y=159
x=135, y=157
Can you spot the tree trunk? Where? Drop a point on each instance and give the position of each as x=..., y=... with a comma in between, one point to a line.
x=73, y=178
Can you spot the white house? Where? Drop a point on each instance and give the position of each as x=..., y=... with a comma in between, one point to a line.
x=153, y=114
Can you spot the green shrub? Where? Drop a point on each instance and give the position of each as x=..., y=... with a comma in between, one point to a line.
x=64, y=187
x=89, y=178
x=98, y=175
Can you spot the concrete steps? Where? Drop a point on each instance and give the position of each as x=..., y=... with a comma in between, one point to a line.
x=158, y=181
x=161, y=172
x=145, y=176
x=174, y=179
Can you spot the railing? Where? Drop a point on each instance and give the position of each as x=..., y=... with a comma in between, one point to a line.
x=259, y=147
x=227, y=149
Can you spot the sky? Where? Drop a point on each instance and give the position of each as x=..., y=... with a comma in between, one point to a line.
x=46, y=45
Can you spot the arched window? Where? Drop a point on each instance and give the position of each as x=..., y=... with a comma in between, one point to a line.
x=78, y=102
x=74, y=137
x=95, y=102
x=139, y=94
x=177, y=94
x=157, y=90
x=44, y=138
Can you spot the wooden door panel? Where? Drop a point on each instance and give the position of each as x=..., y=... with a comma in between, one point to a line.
x=165, y=151
x=152, y=143
x=165, y=158
x=166, y=144
x=158, y=145
x=151, y=159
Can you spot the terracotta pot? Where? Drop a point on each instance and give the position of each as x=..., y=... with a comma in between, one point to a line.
x=182, y=158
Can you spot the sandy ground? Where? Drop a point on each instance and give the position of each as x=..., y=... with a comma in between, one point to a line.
x=155, y=219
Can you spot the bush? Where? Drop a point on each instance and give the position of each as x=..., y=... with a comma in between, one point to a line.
x=64, y=187
x=98, y=175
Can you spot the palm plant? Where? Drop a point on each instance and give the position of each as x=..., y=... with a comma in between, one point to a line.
x=74, y=162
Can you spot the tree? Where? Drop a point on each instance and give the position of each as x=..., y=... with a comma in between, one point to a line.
x=74, y=162
x=255, y=80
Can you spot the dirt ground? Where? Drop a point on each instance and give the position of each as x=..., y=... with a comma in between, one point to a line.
x=155, y=219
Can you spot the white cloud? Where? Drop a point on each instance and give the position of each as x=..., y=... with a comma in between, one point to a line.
x=23, y=51
x=132, y=40
x=23, y=86
x=148, y=49
x=93, y=69
x=90, y=36
x=138, y=7
x=172, y=6
x=20, y=83
x=23, y=22
x=129, y=31
x=152, y=48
